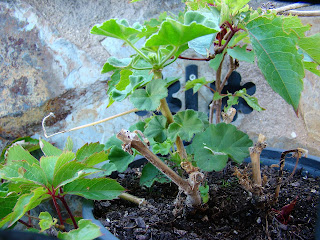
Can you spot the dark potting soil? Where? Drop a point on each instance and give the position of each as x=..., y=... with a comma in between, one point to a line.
x=231, y=212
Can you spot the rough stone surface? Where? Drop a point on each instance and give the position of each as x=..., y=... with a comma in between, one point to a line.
x=49, y=62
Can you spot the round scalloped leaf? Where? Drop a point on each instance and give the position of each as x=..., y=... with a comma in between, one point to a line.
x=157, y=128
x=149, y=98
x=185, y=125
x=116, y=29
x=217, y=143
x=174, y=33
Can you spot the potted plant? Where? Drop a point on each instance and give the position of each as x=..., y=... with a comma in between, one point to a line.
x=221, y=30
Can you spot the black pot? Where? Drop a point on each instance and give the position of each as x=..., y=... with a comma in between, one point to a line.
x=269, y=156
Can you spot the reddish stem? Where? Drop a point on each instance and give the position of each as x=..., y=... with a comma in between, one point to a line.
x=61, y=198
x=24, y=223
x=56, y=206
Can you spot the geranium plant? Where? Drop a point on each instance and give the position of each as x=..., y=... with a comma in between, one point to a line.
x=218, y=30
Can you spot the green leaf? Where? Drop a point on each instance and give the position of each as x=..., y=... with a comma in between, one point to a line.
x=62, y=160
x=86, y=231
x=204, y=193
x=204, y=118
x=114, y=63
x=278, y=57
x=137, y=126
x=17, y=152
x=120, y=158
x=149, y=98
x=87, y=150
x=48, y=149
x=69, y=145
x=196, y=84
x=217, y=143
x=174, y=33
x=241, y=54
x=186, y=124
x=28, y=143
x=95, y=189
x=311, y=45
x=215, y=63
x=22, y=171
x=251, y=101
x=46, y=221
x=70, y=172
x=96, y=158
x=236, y=5
x=157, y=128
x=150, y=175
x=124, y=79
x=25, y=203
x=7, y=204
x=113, y=141
x=107, y=168
x=312, y=67
x=48, y=164
x=217, y=96
x=162, y=148
x=116, y=29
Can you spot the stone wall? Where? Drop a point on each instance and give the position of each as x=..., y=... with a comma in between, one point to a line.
x=49, y=62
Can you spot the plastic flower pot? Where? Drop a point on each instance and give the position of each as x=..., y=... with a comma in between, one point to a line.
x=309, y=165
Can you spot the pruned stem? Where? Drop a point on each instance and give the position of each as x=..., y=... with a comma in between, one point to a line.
x=134, y=199
x=190, y=188
x=255, y=153
x=83, y=126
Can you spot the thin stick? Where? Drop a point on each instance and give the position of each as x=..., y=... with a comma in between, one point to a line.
x=304, y=13
x=83, y=126
x=134, y=199
x=291, y=6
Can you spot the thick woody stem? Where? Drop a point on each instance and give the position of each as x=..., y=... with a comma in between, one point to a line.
x=193, y=195
x=255, y=153
x=165, y=110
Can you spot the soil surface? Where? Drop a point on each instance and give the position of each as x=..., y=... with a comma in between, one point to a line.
x=231, y=213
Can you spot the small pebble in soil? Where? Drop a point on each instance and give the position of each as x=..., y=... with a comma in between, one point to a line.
x=259, y=220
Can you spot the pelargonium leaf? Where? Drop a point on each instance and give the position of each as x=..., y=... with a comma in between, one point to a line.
x=150, y=174
x=95, y=189
x=174, y=33
x=149, y=98
x=278, y=57
x=114, y=63
x=217, y=143
x=115, y=28
x=120, y=158
x=157, y=128
x=185, y=125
